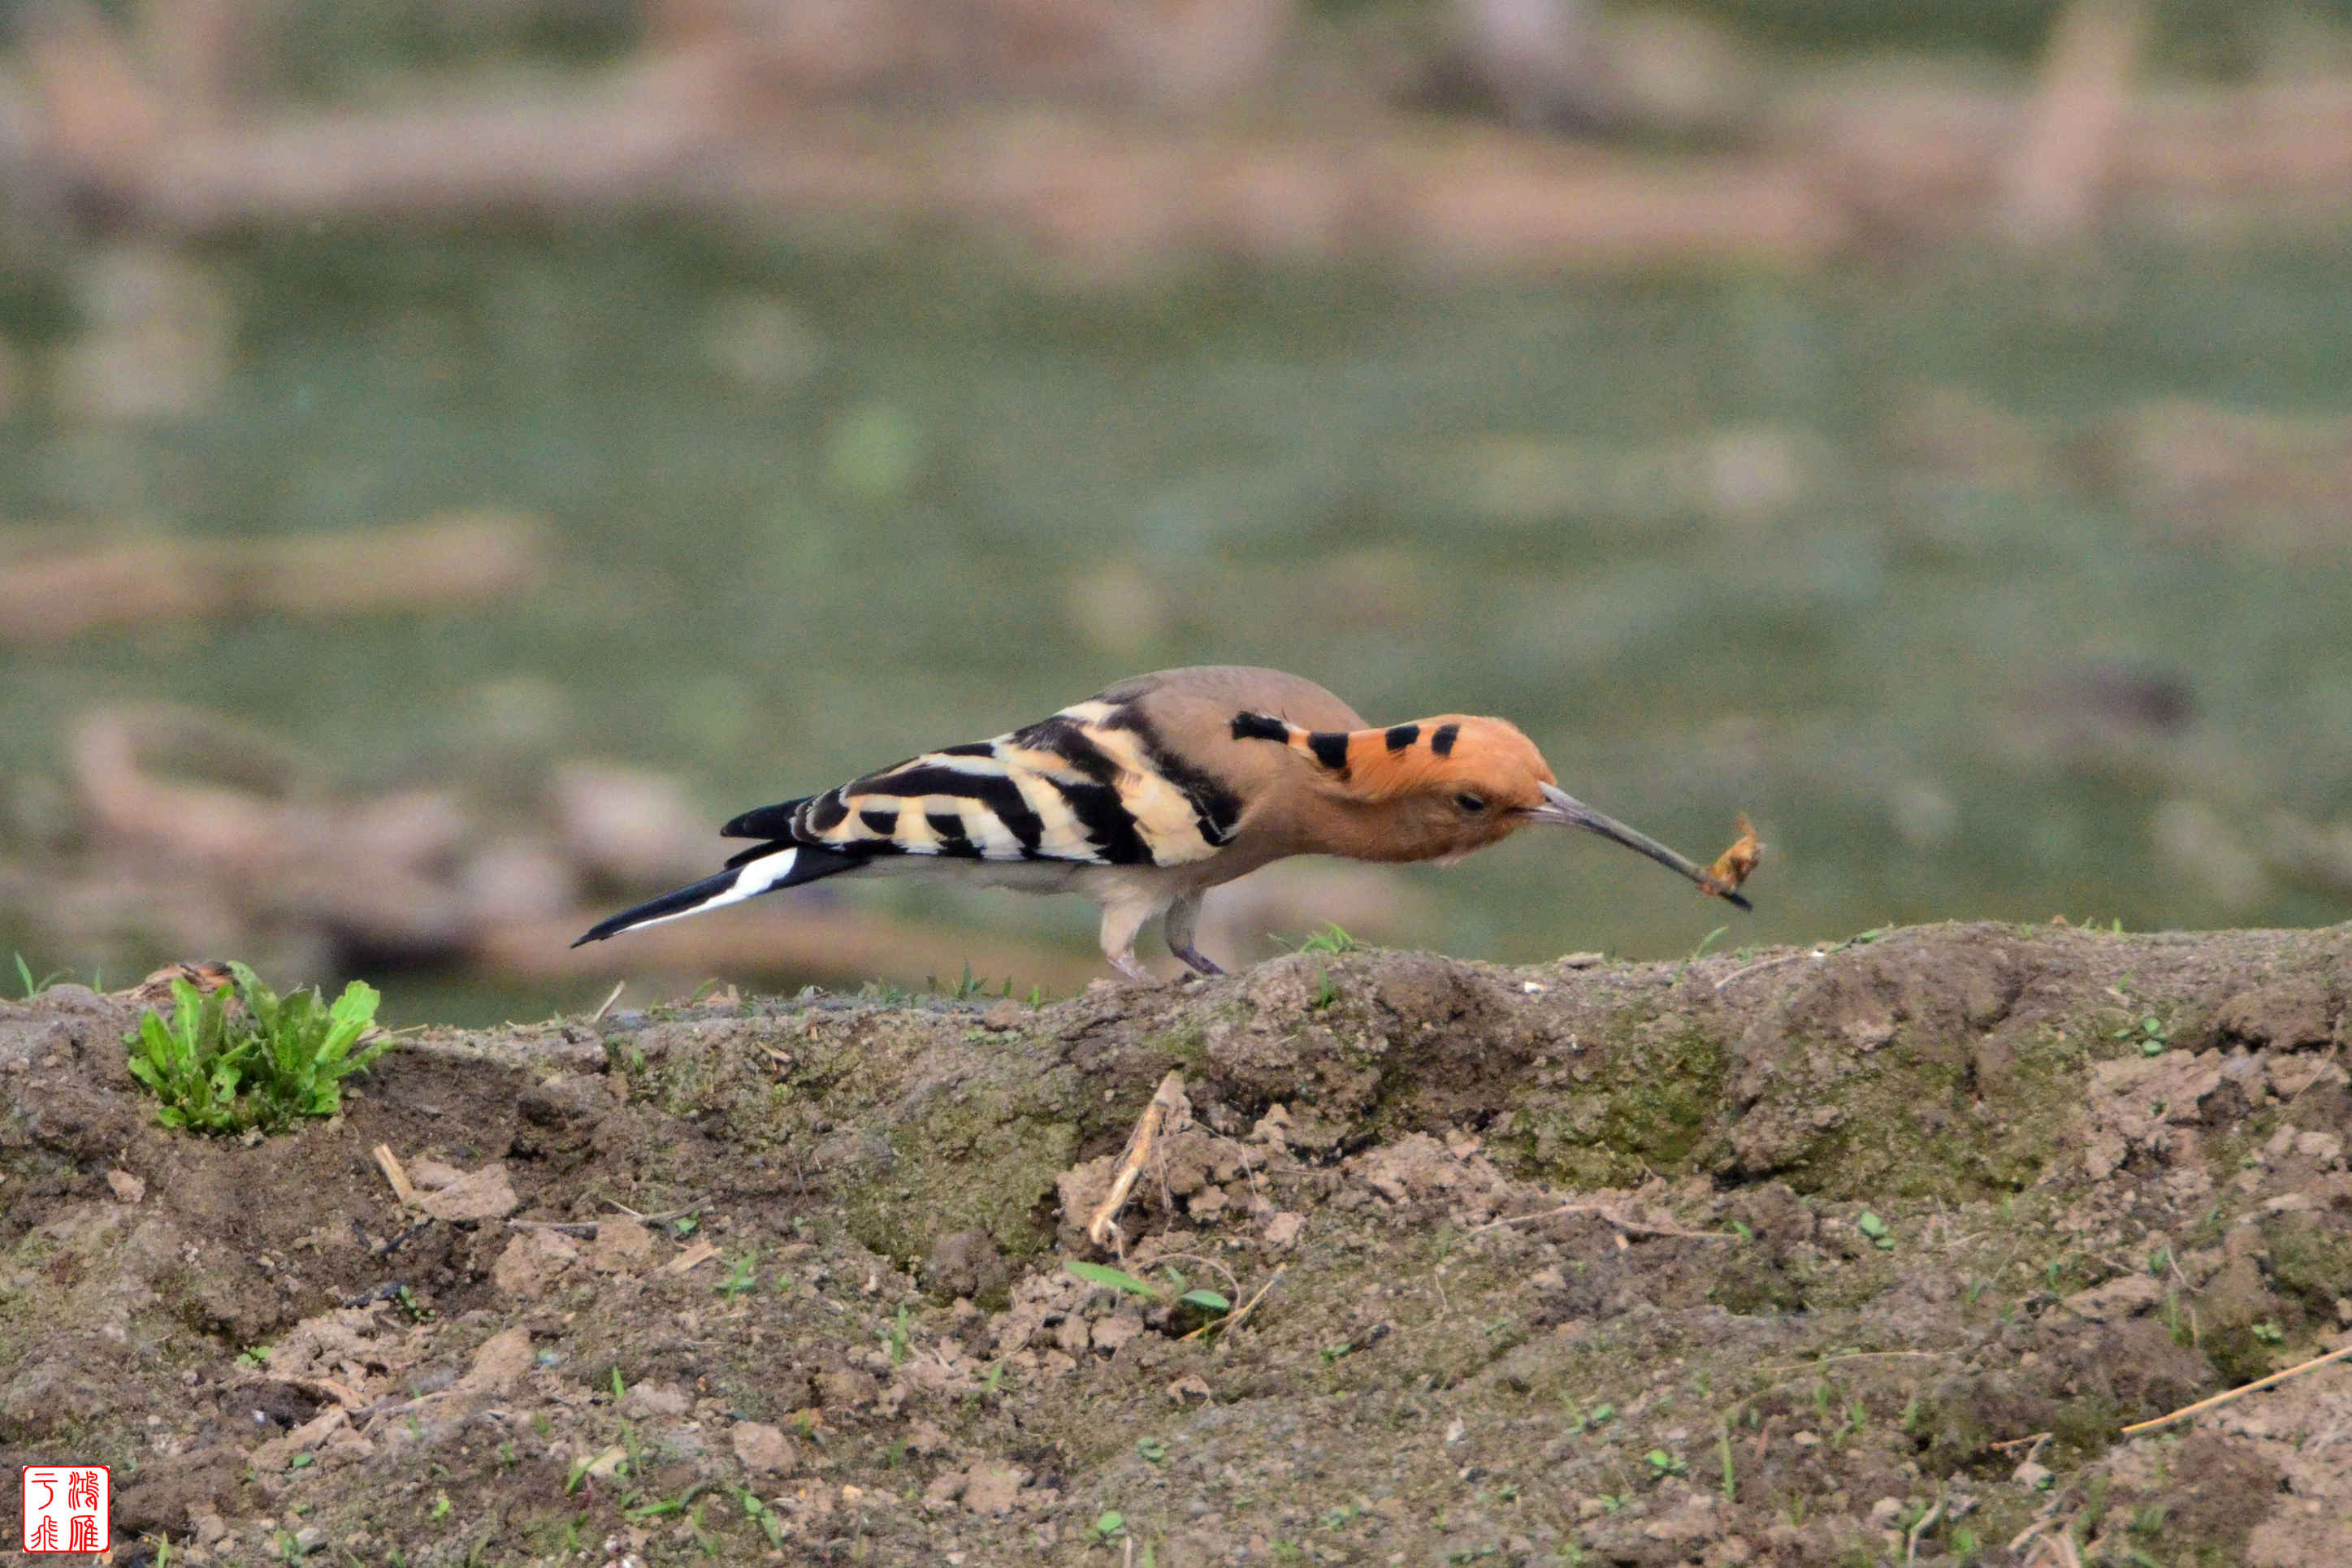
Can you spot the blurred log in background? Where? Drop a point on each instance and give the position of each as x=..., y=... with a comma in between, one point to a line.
x=1110, y=136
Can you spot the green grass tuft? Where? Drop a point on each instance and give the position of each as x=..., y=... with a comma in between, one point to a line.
x=245, y=1057
x=1332, y=939
x=32, y=987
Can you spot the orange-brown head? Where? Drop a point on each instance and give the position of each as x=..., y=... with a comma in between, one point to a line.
x=1438, y=789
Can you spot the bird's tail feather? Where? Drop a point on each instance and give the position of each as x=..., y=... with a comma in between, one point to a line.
x=748, y=875
x=766, y=821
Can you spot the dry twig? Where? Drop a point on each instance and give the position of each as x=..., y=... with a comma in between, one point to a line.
x=1911, y=1544
x=1244, y=1310
x=1761, y=964
x=1608, y=1213
x=389, y=1163
x=579, y=1227
x=696, y=1207
x=2339, y=1353
x=700, y=1252
x=1168, y=1112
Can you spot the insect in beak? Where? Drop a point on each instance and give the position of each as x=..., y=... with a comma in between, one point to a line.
x=1561, y=808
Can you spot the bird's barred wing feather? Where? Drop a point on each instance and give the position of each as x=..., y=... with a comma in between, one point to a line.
x=1093, y=784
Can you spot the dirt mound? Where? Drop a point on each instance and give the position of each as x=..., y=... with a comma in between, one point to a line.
x=1863, y=1254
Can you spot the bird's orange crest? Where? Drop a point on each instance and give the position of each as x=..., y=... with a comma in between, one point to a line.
x=1489, y=759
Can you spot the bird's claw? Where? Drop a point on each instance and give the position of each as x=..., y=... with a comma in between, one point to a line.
x=1198, y=962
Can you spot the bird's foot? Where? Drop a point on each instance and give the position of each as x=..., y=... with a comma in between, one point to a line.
x=1195, y=961
x=1131, y=971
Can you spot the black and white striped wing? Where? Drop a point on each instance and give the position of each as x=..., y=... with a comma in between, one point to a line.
x=1091, y=785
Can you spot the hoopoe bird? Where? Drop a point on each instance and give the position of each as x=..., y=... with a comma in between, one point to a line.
x=1147, y=795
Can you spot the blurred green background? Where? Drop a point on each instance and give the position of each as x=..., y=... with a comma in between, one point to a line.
x=1924, y=558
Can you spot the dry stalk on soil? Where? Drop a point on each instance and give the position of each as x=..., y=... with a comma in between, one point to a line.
x=1168, y=1112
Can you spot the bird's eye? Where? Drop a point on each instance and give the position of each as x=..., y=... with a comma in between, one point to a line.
x=1470, y=802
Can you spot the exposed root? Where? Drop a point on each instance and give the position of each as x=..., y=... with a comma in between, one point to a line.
x=1168, y=1112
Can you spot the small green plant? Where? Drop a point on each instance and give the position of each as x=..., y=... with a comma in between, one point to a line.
x=759, y=1513
x=635, y=1447
x=742, y=1278
x=1209, y=1301
x=1332, y=939
x=1663, y=1464
x=901, y=1336
x=2173, y=1325
x=1326, y=991
x=1699, y=952
x=1881, y=1234
x=1586, y=1420
x=34, y=987
x=2269, y=1334
x=1115, y=1278
x=1109, y=1524
x=264, y=1062
x=1151, y=1449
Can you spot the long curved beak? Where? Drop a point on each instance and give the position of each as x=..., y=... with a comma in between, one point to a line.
x=1564, y=808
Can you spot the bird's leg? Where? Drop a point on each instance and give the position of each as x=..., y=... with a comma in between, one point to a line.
x=1122, y=919
x=1183, y=917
